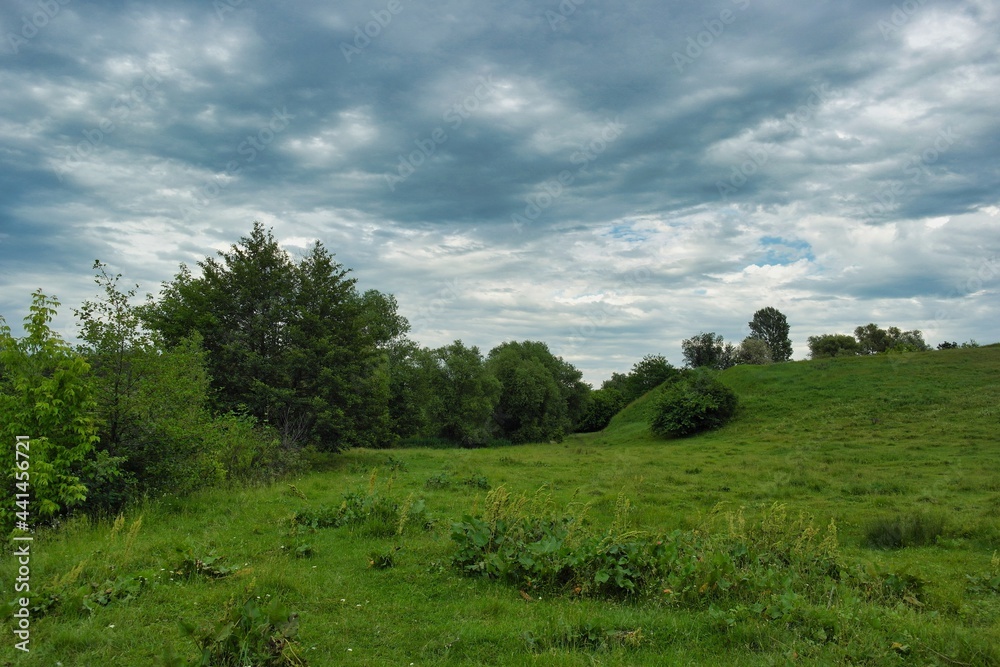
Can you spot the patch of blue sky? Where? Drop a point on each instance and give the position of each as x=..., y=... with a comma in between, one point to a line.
x=625, y=232
x=781, y=251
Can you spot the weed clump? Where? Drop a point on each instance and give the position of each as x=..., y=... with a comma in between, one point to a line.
x=527, y=544
x=247, y=634
x=916, y=530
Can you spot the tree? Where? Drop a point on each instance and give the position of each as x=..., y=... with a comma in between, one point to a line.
x=696, y=401
x=541, y=396
x=729, y=357
x=833, y=345
x=45, y=394
x=466, y=395
x=874, y=340
x=771, y=326
x=602, y=405
x=753, y=351
x=906, y=341
x=291, y=344
x=648, y=374
x=157, y=432
x=703, y=350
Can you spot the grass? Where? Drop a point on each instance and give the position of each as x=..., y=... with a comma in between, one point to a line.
x=901, y=452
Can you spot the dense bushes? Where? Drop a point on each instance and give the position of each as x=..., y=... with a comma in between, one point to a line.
x=869, y=339
x=696, y=401
x=46, y=394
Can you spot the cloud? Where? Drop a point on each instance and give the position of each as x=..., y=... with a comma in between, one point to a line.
x=610, y=179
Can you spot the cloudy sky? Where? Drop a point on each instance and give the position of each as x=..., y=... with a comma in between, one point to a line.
x=607, y=176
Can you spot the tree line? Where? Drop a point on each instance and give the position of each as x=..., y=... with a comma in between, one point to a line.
x=237, y=372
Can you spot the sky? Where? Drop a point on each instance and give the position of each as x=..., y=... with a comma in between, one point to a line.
x=609, y=177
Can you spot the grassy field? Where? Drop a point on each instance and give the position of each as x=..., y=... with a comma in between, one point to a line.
x=892, y=449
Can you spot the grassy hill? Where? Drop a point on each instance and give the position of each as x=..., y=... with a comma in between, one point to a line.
x=886, y=447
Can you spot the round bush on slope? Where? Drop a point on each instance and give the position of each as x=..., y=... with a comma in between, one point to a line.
x=695, y=402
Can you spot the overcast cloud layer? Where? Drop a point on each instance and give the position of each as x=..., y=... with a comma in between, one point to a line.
x=609, y=177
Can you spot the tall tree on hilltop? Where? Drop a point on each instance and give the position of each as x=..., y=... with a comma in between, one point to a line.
x=771, y=326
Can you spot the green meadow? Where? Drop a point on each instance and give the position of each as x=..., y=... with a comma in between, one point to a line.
x=895, y=457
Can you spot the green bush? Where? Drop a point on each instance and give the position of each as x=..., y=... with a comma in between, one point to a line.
x=46, y=394
x=695, y=402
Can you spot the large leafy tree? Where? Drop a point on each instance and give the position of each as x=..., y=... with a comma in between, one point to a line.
x=704, y=350
x=872, y=339
x=466, y=394
x=287, y=342
x=833, y=345
x=542, y=397
x=771, y=326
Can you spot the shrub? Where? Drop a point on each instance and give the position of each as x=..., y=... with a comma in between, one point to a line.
x=45, y=393
x=833, y=345
x=600, y=407
x=695, y=402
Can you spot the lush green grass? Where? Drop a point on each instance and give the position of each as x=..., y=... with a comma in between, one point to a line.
x=903, y=443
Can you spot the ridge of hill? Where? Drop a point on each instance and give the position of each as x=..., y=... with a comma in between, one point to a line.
x=863, y=397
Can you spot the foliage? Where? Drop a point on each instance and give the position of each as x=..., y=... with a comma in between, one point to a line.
x=383, y=560
x=376, y=515
x=771, y=326
x=918, y=529
x=247, y=634
x=874, y=340
x=754, y=351
x=47, y=395
x=291, y=344
x=601, y=406
x=833, y=345
x=209, y=565
x=541, y=396
x=646, y=375
x=524, y=543
x=695, y=402
x=465, y=395
x=157, y=433
x=703, y=350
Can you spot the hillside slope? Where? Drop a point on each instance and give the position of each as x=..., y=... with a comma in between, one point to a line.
x=845, y=443
x=953, y=393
